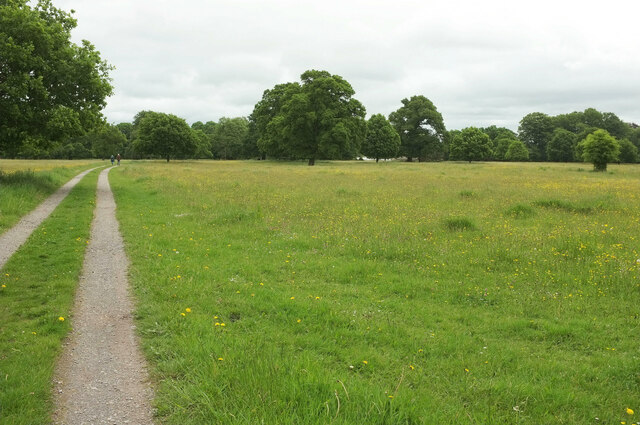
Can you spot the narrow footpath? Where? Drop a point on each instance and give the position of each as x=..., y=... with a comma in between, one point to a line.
x=13, y=238
x=101, y=377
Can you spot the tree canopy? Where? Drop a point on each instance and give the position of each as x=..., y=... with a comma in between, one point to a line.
x=125, y=128
x=228, y=138
x=600, y=148
x=470, y=144
x=535, y=131
x=318, y=119
x=207, y=127
x=163, y=135
x=494, y=132
x=50, y=88
x=107, y=141
x=382, y=140
x=541, y=134
x=517, y=151
x=561, y=146
x=628, y=152
x=267, y=138
x=500, y=147
x=421, y=129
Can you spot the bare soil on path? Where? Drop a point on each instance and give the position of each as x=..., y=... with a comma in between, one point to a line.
x=101, y=377
x=13, y=238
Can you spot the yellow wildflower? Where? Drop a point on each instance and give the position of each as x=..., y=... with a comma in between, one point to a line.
x=629, y=411
x=61, y=319
x=188, y=310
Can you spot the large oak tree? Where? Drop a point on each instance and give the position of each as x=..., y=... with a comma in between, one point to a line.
x=470, y=144
x=267, y=138
x=319, y=119
x=163, y=135
x=421, y=129
x=50, y=88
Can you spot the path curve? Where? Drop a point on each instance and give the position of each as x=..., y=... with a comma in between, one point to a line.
x=101, y=377
x=13, y=238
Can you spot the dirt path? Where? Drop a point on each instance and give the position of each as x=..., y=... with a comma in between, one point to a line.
x=13, y=238
x=101, y=377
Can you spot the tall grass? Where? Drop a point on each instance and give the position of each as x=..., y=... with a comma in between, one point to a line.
x=280, y=293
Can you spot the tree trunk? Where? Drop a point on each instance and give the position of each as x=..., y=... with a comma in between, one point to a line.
x=167, y=158
x=312, y=161
x=409, y=159
x=377, y=159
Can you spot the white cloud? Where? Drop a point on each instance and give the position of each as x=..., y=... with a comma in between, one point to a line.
x=481, y=63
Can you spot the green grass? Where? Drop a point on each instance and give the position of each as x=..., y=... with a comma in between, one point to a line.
x=346, y=300
x=521, y=211
x=37, y=287
x=459, y=224
x=25, y=184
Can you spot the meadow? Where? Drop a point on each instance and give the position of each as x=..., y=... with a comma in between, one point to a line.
x=391, y=293
x=26, y=183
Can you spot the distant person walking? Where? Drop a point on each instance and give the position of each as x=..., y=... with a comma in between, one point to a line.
x=112, y=159
x=118, y=158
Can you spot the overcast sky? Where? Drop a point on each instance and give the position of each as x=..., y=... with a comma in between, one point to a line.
x=480, y=62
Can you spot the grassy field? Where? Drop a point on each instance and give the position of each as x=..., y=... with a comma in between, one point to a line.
x=37, y=287
x=386, y=293
x=25, y=184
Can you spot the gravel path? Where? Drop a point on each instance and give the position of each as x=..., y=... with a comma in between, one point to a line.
x=101, y=377
x=13, y=238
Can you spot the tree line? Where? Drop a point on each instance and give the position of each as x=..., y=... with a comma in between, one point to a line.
x=318, y=118
x=52, y=93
